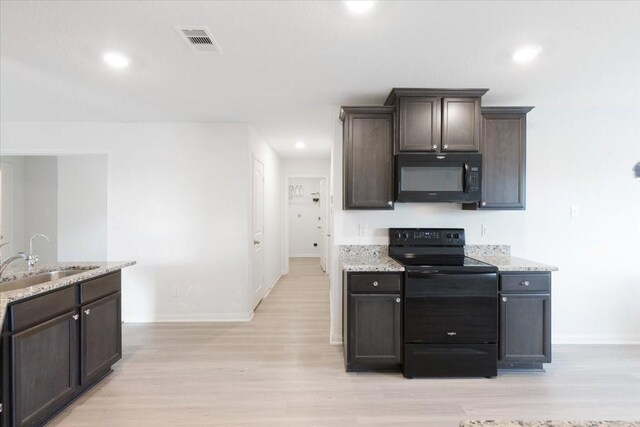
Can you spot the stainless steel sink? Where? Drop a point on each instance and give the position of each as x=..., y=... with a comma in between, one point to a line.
x=38, y=279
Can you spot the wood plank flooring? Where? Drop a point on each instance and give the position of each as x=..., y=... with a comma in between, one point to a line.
x=280, y=370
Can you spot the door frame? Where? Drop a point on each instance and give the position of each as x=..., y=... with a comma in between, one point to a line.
x=252, y=301
x=324, y=192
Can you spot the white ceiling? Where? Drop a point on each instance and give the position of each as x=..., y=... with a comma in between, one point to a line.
x=288, y=65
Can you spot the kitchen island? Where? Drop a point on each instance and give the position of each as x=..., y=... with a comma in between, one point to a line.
x=62, y=335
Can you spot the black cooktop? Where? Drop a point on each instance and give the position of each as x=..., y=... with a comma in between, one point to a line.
x=434, y=250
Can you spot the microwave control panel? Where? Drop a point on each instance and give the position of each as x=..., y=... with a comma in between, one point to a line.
x=474, y=179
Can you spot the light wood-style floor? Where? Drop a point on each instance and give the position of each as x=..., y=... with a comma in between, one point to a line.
x=280, y=370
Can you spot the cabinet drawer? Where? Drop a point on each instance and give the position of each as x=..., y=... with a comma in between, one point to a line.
x=374, y=283
x=525, y=282
x=41, y=308
x=100, y=287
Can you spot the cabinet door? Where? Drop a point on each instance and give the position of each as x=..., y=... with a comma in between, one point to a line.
x=460, y=124
x=45, y=366
x=374, y=329
x=101, y=339
x=368, y=161
x=503, y=146
x=419, y=123
x=525, y=328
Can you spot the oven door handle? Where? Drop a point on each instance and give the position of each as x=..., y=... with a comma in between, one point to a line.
x=421, y=274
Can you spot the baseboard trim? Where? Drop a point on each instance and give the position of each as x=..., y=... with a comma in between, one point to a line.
x=619, y=339
x=304, y=256
x=335, y=340
x=273, y=285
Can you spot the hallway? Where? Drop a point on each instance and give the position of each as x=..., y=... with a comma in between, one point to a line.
x=280, y=370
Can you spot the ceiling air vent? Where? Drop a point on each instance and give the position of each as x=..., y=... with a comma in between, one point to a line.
x=199, y=39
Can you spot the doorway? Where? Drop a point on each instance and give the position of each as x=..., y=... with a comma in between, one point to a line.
x=306, y=216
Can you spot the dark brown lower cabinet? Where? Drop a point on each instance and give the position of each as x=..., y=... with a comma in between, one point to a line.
x=45, y=366
x=57, y=345
x=101, y=340
x=372, y=322
x=525, y=320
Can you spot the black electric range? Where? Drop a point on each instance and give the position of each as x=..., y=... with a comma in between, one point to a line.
x=450, y=304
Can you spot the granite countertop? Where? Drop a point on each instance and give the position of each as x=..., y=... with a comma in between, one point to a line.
x=375, y=258
x=367, y=258
x=512, y=263
x=93, y=269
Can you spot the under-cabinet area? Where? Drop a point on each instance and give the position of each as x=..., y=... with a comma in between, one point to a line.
x=443, y=310
x=56, y=345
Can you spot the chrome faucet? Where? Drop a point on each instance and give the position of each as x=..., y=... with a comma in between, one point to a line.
x=5, y=264
x=1, y=245
x=31, y=258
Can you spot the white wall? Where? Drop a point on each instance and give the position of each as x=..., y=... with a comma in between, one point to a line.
x=13, y=206
x=575, y=156
x=41, y=206
x=178, y=204
x=82, y=207
x=272, y=207
x=304, y=220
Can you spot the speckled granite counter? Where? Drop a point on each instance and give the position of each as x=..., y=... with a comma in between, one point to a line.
x=93, y=269
x=500, y=256
x=511, y=263
x=367, y=258
x=375, y=258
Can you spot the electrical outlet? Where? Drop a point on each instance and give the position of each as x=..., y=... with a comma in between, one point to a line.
x=574, y=211
x=176, y=292
x=362, y=229
x=484, y=230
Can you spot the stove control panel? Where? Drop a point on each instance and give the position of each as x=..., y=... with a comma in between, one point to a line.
x=426, y=236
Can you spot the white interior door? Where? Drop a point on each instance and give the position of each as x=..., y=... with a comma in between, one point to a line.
x=324, y=228
x=257, y=261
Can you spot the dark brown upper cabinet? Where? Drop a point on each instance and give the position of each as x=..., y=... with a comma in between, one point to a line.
x=368, y=140
x=503, y=146
x=437, y=120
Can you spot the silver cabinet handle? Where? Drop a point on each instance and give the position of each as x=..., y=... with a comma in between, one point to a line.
x=397, y=299
x=76, y=316
x=434, y=146
x=504, y=299
x=445, y=146
x=87, y=311
x=256, y=242
x=375, y=283
x=484, y=203
x=390, y=203
x=525, y=283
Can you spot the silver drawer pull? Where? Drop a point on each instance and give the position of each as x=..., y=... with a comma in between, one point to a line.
x=375, y=283
x=397, y=299
x=525, y=283
x=504, y=299
x=87, y=311
x=75, y=316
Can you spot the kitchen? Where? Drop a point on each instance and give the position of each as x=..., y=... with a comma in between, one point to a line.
x=218, y=329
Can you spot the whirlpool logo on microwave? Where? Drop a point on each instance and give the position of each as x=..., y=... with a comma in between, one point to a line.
x=441, y=157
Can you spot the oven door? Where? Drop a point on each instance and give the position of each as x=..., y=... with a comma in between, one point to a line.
x=438, y=178
x=450, y=308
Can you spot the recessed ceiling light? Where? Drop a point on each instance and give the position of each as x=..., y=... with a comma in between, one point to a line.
x=526, y=53
x=359, y=6
x=116, y=60
x=299, y=144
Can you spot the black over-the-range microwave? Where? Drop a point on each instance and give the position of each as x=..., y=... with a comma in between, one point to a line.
x=435, y=177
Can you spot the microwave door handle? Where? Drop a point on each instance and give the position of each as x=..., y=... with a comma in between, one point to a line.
x=465, y=171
